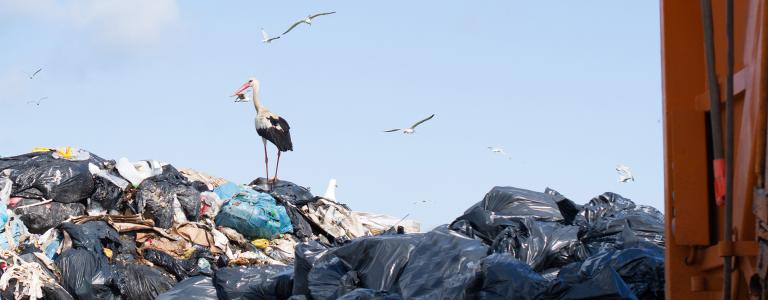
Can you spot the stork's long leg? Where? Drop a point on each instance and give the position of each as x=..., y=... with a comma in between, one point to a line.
x=266, y=159
x=277, y=165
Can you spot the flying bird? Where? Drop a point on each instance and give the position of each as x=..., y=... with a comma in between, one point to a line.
x=625, y=174
x=31, y=76
x=411, y=129
x=269, y=126
x=500, y=151
x=37, y=102
x=265, y=37
x=307, y=20
x=241, y=97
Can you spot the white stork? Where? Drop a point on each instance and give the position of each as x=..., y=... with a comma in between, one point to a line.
x=269, y=126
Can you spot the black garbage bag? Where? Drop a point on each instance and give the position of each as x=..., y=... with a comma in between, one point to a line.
x=40, y=218
x=569, y=209
x=177, y=267
x=602, y=283
x=140, y=282
x=233, y=283
x=443, y=266
x=193, y=288
x=283, y=190
x=641, y=267
x=482, y=225
x=641, y=223
x=40, y=175
x=93, y=236
x=107, y=193
x=306, y=255
x=155, y=199
x=369, y=262
x=278, y=287
x=506, y=277
x=605, y=205
x=509, y=202
x=302, y=228
x=86, y=275
x=369, y=294
x=541, y=245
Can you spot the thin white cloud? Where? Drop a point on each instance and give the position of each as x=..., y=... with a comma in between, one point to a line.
x=113, y=21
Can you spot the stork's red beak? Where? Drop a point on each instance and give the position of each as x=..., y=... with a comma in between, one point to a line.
x=241, y=89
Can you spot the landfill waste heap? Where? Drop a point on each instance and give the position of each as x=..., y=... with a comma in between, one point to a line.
x=77, y=226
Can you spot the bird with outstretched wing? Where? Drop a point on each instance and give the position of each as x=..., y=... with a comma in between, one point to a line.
x=413, y=127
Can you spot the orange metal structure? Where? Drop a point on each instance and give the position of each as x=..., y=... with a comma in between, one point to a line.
x=694, y=223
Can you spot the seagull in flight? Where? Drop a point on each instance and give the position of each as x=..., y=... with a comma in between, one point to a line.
x=31, y=76
x=307, y=20
x=37, y=102
x=500, y=151
x=625, y=174
x=411, y=129
x=265, y=37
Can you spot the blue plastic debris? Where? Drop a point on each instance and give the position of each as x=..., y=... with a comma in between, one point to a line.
x=253, y=214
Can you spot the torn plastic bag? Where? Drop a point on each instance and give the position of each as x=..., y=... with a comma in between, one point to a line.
x=193, y=288
x=641, y=223
x=285, y=191
x=33, y=258
x=335, y=219
x=210, y=204
x=140, y=282
x=40, y=175
x=277, y=287
x=569, y=209
x=255, y=215
x=40, y=218
x=508, y=202
x=306, y=255
x=178, y=268
x=378, y=223
x=12, y=233
x=368, y=294
x=505, y=277
x=641, y=268
x=443, y=266
x=369, y=262
x=137, y=172
x=234, y=282
x=86, y=275
x=541, y=245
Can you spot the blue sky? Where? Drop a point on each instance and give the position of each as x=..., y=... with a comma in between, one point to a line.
x=568, y=89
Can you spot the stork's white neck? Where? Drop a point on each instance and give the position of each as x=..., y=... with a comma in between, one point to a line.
x=256, y=99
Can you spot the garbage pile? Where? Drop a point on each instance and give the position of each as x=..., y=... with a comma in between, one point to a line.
x=77, y=226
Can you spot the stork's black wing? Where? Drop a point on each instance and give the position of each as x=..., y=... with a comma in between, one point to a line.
x=278, y=134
